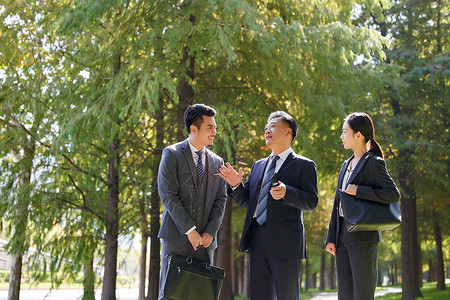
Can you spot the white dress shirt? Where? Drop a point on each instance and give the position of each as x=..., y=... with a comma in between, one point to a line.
x=283, y=155
x=344, y=185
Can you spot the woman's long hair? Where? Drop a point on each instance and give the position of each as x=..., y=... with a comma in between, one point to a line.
x=362, y=122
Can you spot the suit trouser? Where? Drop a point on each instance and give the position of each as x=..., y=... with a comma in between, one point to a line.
x=271, y=277
x=356, y=267
x=168, y=248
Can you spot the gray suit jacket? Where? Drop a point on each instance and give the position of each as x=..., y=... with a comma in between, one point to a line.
x=178, y=187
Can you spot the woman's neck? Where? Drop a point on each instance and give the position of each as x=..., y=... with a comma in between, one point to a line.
x=359, y=152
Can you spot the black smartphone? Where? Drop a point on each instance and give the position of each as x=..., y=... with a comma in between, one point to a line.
x=274, y=180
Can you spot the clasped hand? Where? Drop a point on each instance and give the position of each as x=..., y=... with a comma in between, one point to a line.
x=197, y=240
x=351, y=189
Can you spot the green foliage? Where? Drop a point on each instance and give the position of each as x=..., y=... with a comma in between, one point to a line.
x=428, y=290
x=78, y=77
x=4, y=276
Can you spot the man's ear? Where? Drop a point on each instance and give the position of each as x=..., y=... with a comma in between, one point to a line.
x=193, y=128
x=290, y=131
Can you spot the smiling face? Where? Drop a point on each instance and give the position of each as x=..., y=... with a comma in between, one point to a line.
x=203, y=136
x=278, y=134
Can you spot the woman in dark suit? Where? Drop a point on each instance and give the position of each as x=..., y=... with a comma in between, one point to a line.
x=365, y=176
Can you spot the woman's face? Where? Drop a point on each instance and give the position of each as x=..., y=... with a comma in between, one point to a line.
x=348, y=137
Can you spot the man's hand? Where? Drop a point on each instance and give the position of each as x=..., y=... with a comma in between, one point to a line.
x=206, y=239
x=278, y=192
x=195, y=239
x=230, y=175
x=351, y=189
x=331, y=248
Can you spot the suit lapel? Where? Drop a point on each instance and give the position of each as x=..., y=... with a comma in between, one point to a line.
x=342, y=172
x=258, y=175
x=190, y=160
x=211, y=170
x=359, y=166
x=286, y=164
x=260, y=171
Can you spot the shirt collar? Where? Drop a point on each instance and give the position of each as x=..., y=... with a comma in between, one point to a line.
x=283, y=155
x=194, y=150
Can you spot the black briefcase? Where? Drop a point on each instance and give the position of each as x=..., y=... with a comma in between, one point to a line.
x=190, y=279
x=364, y=215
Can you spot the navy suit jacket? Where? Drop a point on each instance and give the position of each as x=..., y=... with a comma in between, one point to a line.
x=285, y=229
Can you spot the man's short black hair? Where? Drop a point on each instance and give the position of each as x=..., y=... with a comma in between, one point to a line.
x=286, y=118
x=194, y=115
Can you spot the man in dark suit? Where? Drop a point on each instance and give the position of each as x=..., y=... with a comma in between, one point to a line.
x=192, y=195
x=273, y=231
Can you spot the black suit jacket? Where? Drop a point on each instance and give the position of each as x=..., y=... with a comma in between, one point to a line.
x=374, y=184
x=285, y=229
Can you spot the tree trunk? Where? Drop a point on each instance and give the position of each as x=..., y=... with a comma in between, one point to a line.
x=391, y=274
x=144, y=243
x=439, y=255
x=89, y=280
x=379, y=279
x=238, y=268
x=332, y=273
x=185, y=92
x=409, y=248
x=396, y=274
x=155, y=245
x=419, y=265
x=246, y=291
x=224, y=252
x=15, y=277
x=306, y=275
x=19, y=239
x=322, y=272
x=112, y=225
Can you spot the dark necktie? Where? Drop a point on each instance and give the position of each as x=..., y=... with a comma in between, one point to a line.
x=200, y=169
x=261, y=211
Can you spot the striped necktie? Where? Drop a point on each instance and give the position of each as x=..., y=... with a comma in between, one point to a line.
x=200, y=169
x=261, y=211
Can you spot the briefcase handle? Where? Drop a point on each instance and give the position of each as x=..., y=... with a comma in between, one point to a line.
x=191, y=257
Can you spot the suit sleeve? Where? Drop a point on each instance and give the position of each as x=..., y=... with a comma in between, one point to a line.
x=218, y=209
x=384, y=190
x=332, y=226
x=304, y=196
x=241, y=193
x=168, y=188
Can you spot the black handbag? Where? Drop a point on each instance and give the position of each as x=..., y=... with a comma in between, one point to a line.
x=190, y=279
x=364, y=215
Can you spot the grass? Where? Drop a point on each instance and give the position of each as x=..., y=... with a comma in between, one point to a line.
x=428, y=290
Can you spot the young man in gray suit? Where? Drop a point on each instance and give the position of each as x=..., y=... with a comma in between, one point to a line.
x=192, y=195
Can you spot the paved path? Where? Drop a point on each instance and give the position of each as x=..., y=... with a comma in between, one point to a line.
x=333, y=296
x=68, y=294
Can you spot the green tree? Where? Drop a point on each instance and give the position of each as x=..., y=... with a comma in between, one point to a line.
x=123, y=72
x=23, y=105
x=416, y=129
